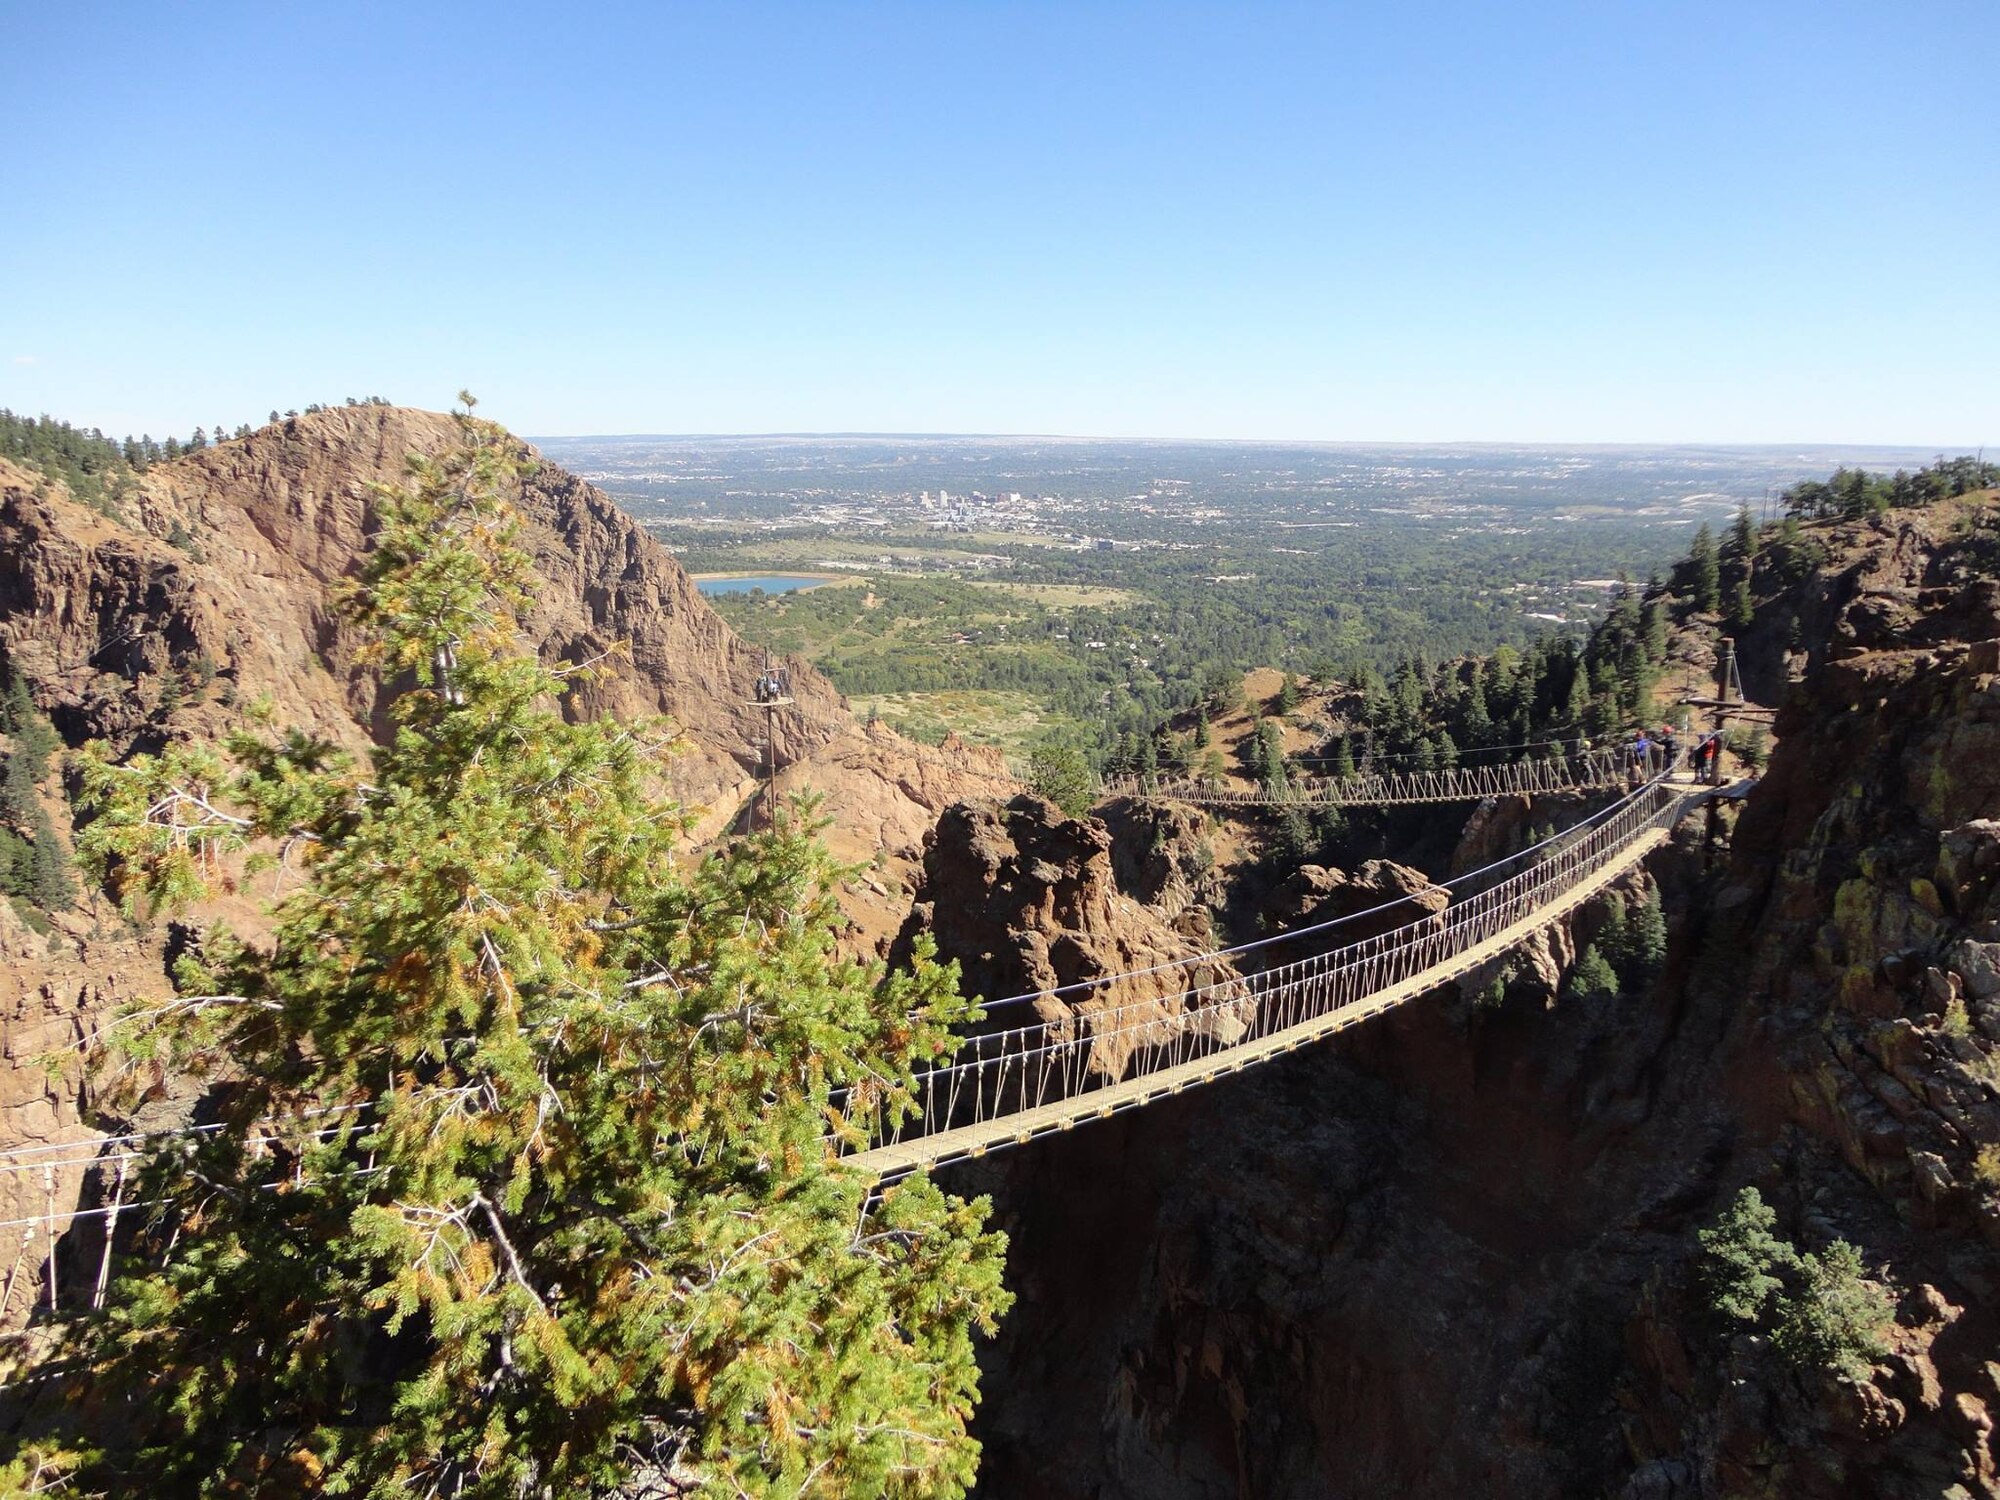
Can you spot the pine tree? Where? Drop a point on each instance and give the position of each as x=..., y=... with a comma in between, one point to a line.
x=1648, y=938
x=1742, y=543
x=1744, y=1256
x=1059, y=771
x=1592, y=978
x=522, y=1185
x=33, y=740
x=1268, y=761
x=1655, y=627
x=1614, y=937
x=1742, y=607
x=1477, y=720
x=1576, y=707
x=50, y=885
x=1705, y=569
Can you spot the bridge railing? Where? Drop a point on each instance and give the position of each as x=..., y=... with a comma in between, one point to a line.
x=1591, y=770
x=1082, y=1047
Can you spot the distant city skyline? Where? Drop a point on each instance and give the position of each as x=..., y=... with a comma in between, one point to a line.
x=1566, y=224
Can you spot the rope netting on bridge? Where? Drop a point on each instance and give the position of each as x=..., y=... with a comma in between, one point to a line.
x=1055, y=1057
x=1586, y=771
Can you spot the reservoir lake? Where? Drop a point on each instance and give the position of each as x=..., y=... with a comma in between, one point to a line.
x=770, y=583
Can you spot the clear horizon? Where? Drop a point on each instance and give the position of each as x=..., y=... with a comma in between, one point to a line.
x=1702, y=225
x=1200, y=441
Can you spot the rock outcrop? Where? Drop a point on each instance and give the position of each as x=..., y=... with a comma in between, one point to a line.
x=1162, y=858
x=221, y=594
x=1023, y=898
x=1380, y=896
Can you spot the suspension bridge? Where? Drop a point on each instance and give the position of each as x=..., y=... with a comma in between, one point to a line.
x=1060, y=1057
x=1588, y=771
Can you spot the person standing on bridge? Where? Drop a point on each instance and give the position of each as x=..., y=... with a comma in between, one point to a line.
x=1642, y=755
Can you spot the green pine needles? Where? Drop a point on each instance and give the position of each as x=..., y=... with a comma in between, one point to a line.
x=1822, y=1310
x=523, y=1185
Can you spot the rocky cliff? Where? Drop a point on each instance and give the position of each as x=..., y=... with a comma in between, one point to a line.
x=221, y=592
x=1454, y=1253
x=213, y=592
x=1024, y=899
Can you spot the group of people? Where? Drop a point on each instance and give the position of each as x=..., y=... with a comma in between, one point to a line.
x=771, y=686
x=1649, y=754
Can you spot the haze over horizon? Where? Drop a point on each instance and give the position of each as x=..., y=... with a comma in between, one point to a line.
x=1643, y=227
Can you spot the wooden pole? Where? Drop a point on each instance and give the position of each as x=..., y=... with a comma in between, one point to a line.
x=49, y=1198
x=110, y=1233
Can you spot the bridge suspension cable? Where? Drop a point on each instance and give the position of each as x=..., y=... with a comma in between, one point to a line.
x=1591, y=771
x=1009, y=1085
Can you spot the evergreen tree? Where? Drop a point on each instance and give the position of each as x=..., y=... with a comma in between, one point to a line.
x=1477, y=720
x=17, y=864
x=1061, y=773
x=1592, y=978
x=521, y=1186
x=1614, y=936
x=50, y=885
x=1647, y=938
x=1838, y=1319
x=1576, y=707
x=1742, y=607
x=1742, y=543
x=1744, y=1257
x=33, y=741
x=1705, y=572
x=1654, y=630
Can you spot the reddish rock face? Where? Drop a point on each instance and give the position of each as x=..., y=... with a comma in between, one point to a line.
x=214, y=592
x=100, y=615
x=1378, y=897
x=1023, y=898
x=269, y=524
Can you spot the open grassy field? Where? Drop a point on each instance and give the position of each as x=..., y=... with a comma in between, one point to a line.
x=1012, y=721
x=1058, y=595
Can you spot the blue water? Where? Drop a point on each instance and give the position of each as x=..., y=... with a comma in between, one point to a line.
x=775, y=583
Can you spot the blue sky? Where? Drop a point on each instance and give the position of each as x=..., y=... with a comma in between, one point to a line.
x=1591, y=222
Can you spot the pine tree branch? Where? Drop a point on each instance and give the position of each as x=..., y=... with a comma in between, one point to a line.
x=514, y=1267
